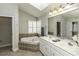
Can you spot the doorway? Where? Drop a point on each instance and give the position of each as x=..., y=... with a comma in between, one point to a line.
x=5, y=32
x=58, y=29
x=74, y=28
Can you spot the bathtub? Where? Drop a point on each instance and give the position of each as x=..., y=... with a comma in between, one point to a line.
x=30, y=40
x=30, y=43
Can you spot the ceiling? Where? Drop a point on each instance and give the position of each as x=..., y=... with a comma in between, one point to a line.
x=40, y=6
x=35, y=9
x=26, y=7
x=71, y=14
x=40, y=9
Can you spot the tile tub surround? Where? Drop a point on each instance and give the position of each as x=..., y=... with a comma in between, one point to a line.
x=31, y=47
x=63, y=44
x=21, y=35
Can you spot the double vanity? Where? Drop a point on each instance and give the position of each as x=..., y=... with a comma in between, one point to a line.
x=55, y=46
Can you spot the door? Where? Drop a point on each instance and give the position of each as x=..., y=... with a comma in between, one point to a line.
x=5, y=31
x=44, y=47
x=74, y=28
x=59, y=29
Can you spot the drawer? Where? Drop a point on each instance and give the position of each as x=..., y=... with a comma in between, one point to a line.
x=54, y=52
x=44, y=47
x=57, y=53
x=49, y=49
x=61, y=51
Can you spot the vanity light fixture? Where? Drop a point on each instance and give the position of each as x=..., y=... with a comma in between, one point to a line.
x=56, y=10
x=50, y=12
x=59, y=9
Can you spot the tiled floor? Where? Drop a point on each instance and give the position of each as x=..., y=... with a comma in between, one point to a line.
x=7, y=52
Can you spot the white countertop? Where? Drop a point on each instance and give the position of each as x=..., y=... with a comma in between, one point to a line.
x=63, y=44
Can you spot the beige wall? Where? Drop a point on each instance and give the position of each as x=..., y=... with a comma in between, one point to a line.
x=23, y=23
x=44, y=23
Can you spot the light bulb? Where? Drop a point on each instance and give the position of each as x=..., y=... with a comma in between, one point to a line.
x=60, y=9
x=54, y=11
x=50, y=13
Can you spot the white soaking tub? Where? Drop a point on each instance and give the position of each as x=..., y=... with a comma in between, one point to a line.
x=30, y=43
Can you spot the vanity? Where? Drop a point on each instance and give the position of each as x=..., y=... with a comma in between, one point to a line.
x=54, y=46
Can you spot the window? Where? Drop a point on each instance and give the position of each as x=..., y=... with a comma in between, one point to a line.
x=34, y=26
x=39, y=26
x=30, y=26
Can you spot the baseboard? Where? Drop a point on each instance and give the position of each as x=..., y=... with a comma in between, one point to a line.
x=14, y=50
x=4, y=45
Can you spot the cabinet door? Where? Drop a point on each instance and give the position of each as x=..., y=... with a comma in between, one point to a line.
x=53, y=51
x=57, y=54
x=60, y=51
x=44, y=47
x=48, y=50
x=63, y=52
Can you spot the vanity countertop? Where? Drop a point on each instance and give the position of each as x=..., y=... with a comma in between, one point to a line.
x=63, y=44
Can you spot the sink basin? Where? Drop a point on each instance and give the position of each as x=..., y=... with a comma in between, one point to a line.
x=56, y=40
x=70, y=44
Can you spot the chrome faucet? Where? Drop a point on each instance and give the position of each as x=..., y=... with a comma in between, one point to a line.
x=75, y=39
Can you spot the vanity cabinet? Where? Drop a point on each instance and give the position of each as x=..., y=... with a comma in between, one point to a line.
x=57, y=54
x=44, y=48
x=48, y=49
x=54, y=52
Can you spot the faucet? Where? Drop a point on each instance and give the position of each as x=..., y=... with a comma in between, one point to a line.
x=75, y=39
x=77, y=42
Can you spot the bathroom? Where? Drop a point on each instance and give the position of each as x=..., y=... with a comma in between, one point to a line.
x=56, y=35
x=36, y=30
